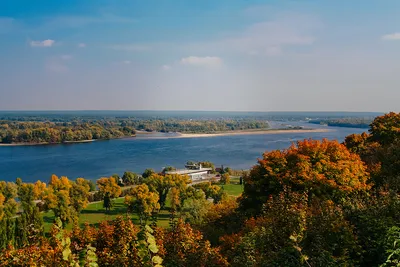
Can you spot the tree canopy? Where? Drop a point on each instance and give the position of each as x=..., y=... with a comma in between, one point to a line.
x=324, y=169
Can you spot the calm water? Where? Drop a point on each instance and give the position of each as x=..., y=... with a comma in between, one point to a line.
x=104, y=158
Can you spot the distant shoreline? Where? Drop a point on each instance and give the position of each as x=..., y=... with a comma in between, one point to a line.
x=46, y=143
x=186, y=135
x=249, y=132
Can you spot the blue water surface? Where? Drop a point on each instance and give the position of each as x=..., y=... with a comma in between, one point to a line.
x=104, y=158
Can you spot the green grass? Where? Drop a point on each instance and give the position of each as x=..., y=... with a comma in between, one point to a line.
x=94, y=213
x=234, y=188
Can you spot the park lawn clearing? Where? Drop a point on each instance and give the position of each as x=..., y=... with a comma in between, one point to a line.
x=232, y=189
x=94, y=213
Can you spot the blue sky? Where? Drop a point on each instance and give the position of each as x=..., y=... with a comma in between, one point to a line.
x=303, y=55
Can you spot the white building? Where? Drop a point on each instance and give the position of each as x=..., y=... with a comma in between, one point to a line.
x=198, y=173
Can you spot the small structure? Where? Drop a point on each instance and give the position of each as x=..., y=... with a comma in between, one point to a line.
x=194, y=171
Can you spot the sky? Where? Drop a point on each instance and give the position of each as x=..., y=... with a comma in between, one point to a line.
x=220, y=55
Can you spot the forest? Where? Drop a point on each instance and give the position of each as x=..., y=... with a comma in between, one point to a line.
x=356, y=122
x=316, y=203
x=37, y=132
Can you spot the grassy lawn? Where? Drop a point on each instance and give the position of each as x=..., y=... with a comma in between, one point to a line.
x=233, y=189
x=95, y=213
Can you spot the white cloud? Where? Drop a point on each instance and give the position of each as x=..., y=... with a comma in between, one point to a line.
x=44, y=43
x=82, y=45
x=271, y=37
x=166, y=67
x=202, y=61
x=276, y=36
x=127, y=62
x=131, y=47
x=393, y=36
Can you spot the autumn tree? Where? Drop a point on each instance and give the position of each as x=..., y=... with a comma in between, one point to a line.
x=147, y=173
x=130, y=178
x=385, y=129
x=117, y=179
x=8, y=208
x=208, y=164
x=163, y=183
x=79, y=193
x=119, y=243
x=221, y=219
x=57, y=198
x=109, y=189
x=39, y=188
x=29, y=225
x=184, y=246
x=225, y=178
x=380, y=151
x=227, y=170
x=143, y=202
x=325, y=169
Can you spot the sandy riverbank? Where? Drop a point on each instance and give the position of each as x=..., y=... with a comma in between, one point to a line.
x=254, y=132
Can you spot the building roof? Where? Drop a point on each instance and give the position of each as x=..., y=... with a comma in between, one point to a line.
x=188, y=171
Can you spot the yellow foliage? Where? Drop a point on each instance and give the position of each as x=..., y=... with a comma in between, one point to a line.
x=109, y=185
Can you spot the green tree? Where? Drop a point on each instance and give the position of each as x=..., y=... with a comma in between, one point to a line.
x=208, y=164
x=29, y=225
x=130, y=178
x=147, y=173
x=8, y=209
x=385, y=129
x=163, y=183
x=79, y=193
x=168, y=169
x=194, y=209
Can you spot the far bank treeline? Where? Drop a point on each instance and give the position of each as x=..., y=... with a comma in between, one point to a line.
x=346, y=122
x=102, y=129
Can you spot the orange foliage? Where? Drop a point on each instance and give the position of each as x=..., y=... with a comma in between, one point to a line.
x=324, y=169
x=185, y=246
x=39, y=189
x=110, y=186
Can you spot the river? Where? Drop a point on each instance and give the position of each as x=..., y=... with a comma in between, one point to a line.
x=104, y=158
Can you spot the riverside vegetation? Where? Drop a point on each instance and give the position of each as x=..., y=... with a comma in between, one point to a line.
x=29, y=130
x=316, y=203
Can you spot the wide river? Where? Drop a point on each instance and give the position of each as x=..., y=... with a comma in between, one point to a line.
x=104, y=158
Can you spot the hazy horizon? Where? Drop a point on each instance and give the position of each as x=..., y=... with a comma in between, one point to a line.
x=187, y=110
x=227, y=55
